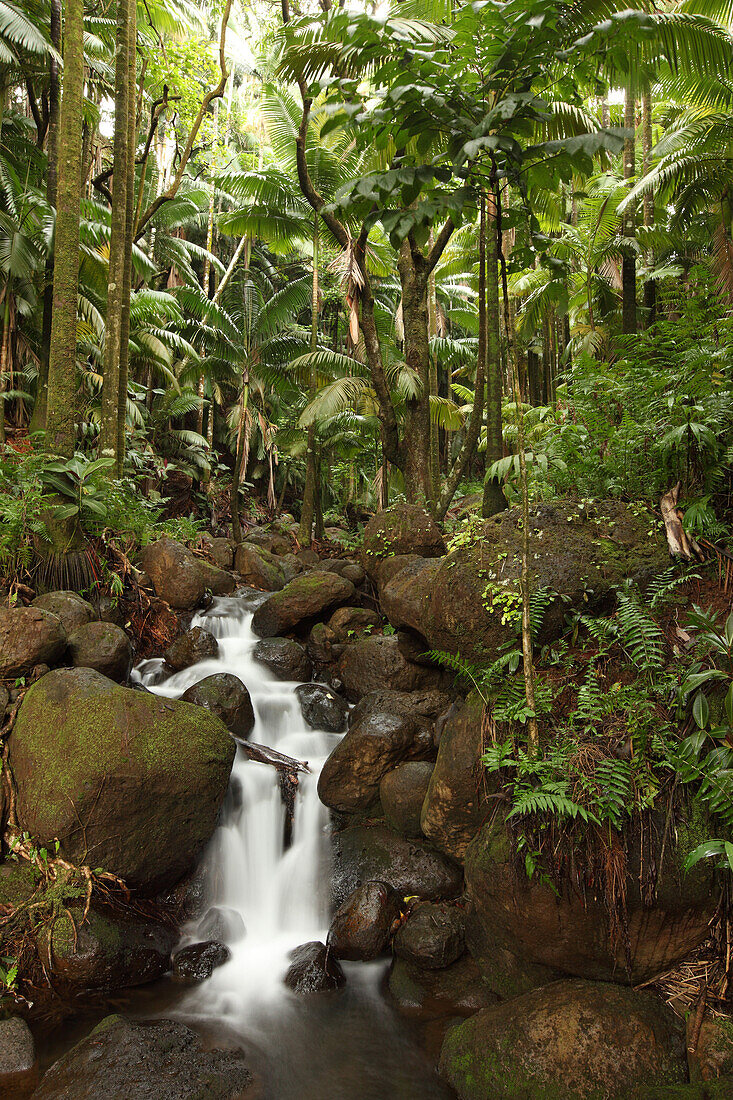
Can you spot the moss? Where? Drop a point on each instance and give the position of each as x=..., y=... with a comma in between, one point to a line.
x=18, y=882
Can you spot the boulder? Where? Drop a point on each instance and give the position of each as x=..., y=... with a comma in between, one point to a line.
x=425, y=704
x=456, y=799
x=29, y=636
x=458, y=990
x=363, y=853
x=126, y=780
x=582, y=552
x=285, y=658
x=349, y=622
x=67, y=606
x=713, y=1057
x=222, y=924
x=301, y=599
x=275, y=542
x=218, y=581
x=102, y=646
x=569, y=930
x=570, y=1040
x=18, y=1061
x=220, y=552
x=432, y=936
x=402, y=529
x=313, y=969
x=178, y=575
x=353, y=572
x=375, y=663
x=164, y=1060
x=103, y=953
x=198, y=961
x=192, y=647
x=361, y=926
x=322, y=708
x=402, y=793
x=350, y=778
x=258, y=567
x=290, y=566
x=387, y=568
x=225, y=696
x=323, y=646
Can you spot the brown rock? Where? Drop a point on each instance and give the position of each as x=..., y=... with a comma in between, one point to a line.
x=349, y=780
x=432, y=936
x=402, y=793
x=67, y=606
x=361, y=926
x=402, y=529
x=102, y=646
x=375, y=663
x=258, y=567
x=192, y=647
x=29, y=636
x=303, y=598
x=364, y=853
x=175, y=572
x=313, y=969
x=458, y=990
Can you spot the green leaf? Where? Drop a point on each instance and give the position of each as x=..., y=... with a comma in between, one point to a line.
x=701, y=710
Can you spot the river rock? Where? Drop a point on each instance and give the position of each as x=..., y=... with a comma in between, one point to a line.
x=432, y=936
x=29, y=636
x=322, y=708
x=198, y=961
x=192, y=647
x=569, y=931
x=375, y=663
x=401, y=529
x=219, y=582
x=18, y=1061
x=67, y=606
x=225, y=696
x=162, y=1060
x=423, y=703
x=570, y=1040
x=220, y=551
x=275, y=542
x=456, y=799
x=103, y=953
x=361, y=926
x=402, y=792
x=177, y=574
x=258, y=567
x=458, y=990
x=301, y=599
x=349, y=622
x=323, y=646
x=285, y=658
x=102, y=646
x=713, y=1046
x=126, y=780
x=363, y=853
x=349, y=780
x=313, y=969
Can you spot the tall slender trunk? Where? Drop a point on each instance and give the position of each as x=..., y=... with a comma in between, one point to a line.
x=129, y=238
x=628, y=264
x=310, y=491
x=416, y=438
x=433, y=392
x=650, y=287
x=494, y=500
x=116, y=277
x=38, y=419
x=244, y=399
x=61, y=407
x=207, y=266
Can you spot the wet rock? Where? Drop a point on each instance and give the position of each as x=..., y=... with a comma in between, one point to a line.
x=349, y=780
x=322, y=708
x=383, y=571
x=313, y=969
x=218, y=582
x=405, y=598
x=290, y=566
x=321, y=643
x=29, y=636
x=18, y=1062
x=103, y=953
x=363, y=853
x=361, y=926
x=402, y=529
x=225, y=696
x=713, y=1055
x=349, y=622
x=193, y=646
x=110, y=610
x=126, y=780
x=275, y=542
x=67, y=606
x=249, y=597
x=432, y=936
x=258, y=567
x=353, y=572
x=456, y=799
x=402, y=793
x=571, y=1040
x=721, y=1089
x=307, y=557
x=162, y=1060
x=422, y=703
x=220, y=552
x=285, y=658
x=458, y=990
x=222, y=924
x=375, y=663
x=569, y=931
x=198, y=961
x=102, y=646
x=301, y=599
x=177, y=574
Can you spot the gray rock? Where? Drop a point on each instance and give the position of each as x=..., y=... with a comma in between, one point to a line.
x=102, y=646
x=322, y=708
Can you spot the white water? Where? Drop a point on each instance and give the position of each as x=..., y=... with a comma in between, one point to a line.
x=279, y=895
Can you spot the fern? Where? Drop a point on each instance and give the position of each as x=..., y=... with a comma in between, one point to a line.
x=662, y=587
x=590, y=697
x=539, y=602
x=615, y=791
x=550, y=802
x=638, y=632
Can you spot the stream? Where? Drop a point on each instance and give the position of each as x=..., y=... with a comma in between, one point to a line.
x=269, y=898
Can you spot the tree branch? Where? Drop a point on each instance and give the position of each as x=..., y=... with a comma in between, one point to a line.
x=40, y=126
x=439, y=247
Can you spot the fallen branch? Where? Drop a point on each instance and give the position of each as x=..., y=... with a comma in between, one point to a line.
x=261, y=754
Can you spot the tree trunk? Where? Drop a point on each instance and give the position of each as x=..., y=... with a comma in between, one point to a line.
x=207, y=266
x=61, y=409
x=494, y=500
x=116, y=278
x=129, y=238
x=650, y=287
x=628, y=264
x=416, y=440
x=38, y=420
x=308, y=511
x=433, y=392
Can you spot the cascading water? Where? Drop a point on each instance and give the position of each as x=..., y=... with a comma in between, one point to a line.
x=270, y=897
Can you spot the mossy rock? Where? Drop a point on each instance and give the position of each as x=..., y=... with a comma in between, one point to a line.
x=18, y=882
x=401, y=529
x=301, y=600
x=126, y=780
